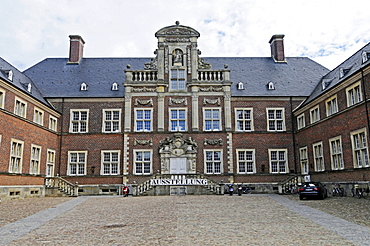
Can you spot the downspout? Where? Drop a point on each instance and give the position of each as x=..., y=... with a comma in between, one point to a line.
x=365, y=99
x=293, y=134
x=61, y=137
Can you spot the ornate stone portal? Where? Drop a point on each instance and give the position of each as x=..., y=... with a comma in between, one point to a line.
x=178, y=148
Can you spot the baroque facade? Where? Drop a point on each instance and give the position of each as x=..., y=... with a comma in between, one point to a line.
x=178, y=122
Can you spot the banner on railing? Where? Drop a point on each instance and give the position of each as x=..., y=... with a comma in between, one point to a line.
x=179, y=182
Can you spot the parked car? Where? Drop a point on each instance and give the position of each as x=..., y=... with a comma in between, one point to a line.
x=313, y=189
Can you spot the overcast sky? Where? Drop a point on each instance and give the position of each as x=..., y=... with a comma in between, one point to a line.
x=326, y=31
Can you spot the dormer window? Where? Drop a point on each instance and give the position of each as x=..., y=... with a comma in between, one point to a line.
x=114, y=87
x=29, y=87
x=10, y=75
x=240, y=86
x=343, y=72
x=365, y=56
x=325, y=83
x=83, y=87
x=271, y=86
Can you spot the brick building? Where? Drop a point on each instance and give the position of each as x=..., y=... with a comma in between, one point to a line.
x=178, y=122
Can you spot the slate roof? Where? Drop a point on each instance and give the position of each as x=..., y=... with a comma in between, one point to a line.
x=56, y=78
x=350, y=66
x=20, y=81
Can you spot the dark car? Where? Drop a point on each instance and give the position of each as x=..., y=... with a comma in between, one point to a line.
x=313, y=189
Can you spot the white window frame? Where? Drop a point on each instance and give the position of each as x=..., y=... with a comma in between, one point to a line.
x=178, y=120
x=275, y=121
x=20, y=107
x=244, y=120
x=314, y=114
x=360, y=150
x=142, y=162
x=303, y=159
x=38, y=116
x=2, y=98
x=35, y=159
x=53, y=123
x=110, y=162
x=50, y=163
x=81, y=165
x=79, y=122
x=212, y=120
x=331, y=105
x=213, y=161
x=318, y=156
x=281, y=159
x=177, y=82
x=336, y=153
x=16, y=156
x=301, y=121
x=150, y=120
x=246, y=165
x=115, y=124
x=354, y=94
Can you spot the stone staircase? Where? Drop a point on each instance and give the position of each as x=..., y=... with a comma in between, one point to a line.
x=57, y=186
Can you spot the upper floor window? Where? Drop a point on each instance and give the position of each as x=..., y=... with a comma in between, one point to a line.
x=354, y=94
x=178, y=119
x=110, y=162
x=212, y=119
x=246, y=161
x=38, y=116
x=143, y=162
x=77, y=163
x=301, y=121
x=111, y=120
x=331, y=106
x=336, y=153
x=359, y=148
x=177, y=79
x=278, y=160
x=213, y=161
x=318, y=156
x=143, y=120
x=16, y=156
x=52, y=123
x=79, y=120
x=244, y=119
x=276, y=120
x=50, y=163
x=35, y=159
x=303, y=157
x=20, y=107
x=2, y=98
x=314, y=114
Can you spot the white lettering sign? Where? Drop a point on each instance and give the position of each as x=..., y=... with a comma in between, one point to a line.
x=179, y=182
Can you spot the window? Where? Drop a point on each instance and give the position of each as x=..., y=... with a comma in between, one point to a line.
x=52, y=123
x=114, y=87
x=35, y=159
x=143, y=162
x=83, y=87
x=246, y=161
x=244, y=119
x=110, y=162
x=178, y=119
x=359, y=149
x=111, y=120
x=303, y=157
x=275, y=119
x=38, y=116
x=331, y=106
x=16, y=155
x=79, y=120
x=2, y=98
x=77, y=162
x=336, y=153
x=50, y=162
x=301, y=123
x=318, y=157
x=278, y=160
x=20, y=107
x=212, y=119
x=177, y=79
x=240, y=86
x=354, y=94
x=143, y=119
x=271, y=86
x=315, y=114
x=213, y=161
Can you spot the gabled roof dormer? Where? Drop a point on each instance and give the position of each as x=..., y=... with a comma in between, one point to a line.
x=83, y=87
x=343, y=72
x=240, y=86
x=365, y=56
x=271, y=85
x=114, y=87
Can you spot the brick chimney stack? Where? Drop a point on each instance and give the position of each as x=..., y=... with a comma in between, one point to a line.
x=75, y=49
x=277, y=47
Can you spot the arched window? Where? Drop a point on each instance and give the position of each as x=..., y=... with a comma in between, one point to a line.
x=83, y=87
x=114, y=87
x=240, y=86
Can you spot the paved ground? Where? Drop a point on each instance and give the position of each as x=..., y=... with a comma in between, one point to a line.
x=184, y=220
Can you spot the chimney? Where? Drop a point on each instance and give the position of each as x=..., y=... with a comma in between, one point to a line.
x=75, y=49
x=277, y=47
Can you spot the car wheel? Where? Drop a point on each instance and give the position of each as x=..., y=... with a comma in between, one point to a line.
x=300, y=197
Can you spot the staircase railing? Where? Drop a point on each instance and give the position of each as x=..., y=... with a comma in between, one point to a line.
x=290, y=185
x=62, y=184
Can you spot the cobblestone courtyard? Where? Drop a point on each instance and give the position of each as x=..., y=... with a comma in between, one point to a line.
x=186, y=220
